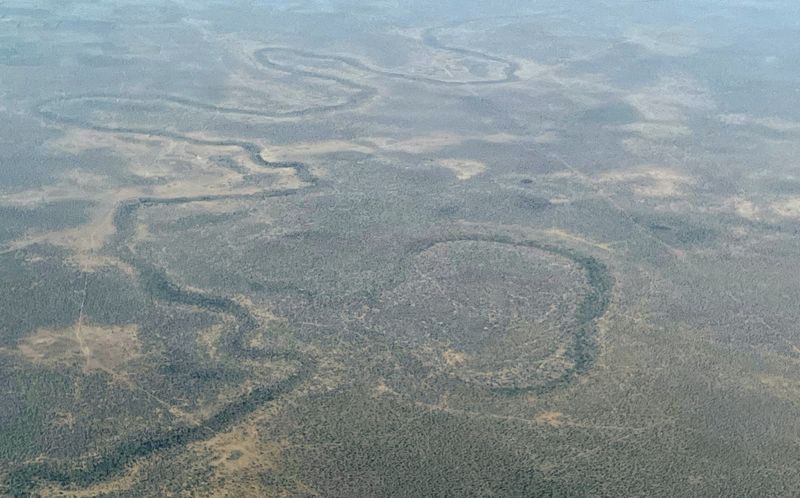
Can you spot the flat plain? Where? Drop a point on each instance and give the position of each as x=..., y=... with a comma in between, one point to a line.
x=458, y=248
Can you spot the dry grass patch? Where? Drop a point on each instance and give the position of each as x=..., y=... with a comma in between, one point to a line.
x=670, y=98
x=787, y=208
x=650, y=181
x=242, y=455
x=657, y=131
x=453, y=358
x=464, y=169
x=416, y=145
x=671, y=42
x=551, y=418
x=98, y=347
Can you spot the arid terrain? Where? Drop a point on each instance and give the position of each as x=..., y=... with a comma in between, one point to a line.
x=375, y=248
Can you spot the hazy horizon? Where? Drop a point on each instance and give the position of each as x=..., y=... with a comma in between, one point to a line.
x=399, y=248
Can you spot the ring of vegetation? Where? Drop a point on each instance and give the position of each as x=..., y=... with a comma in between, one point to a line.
x=580, y=344
x=509, y=70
